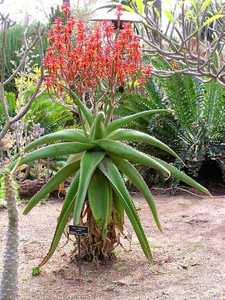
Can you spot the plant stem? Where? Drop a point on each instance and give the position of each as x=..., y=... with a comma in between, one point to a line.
x=109, y=114
x=8, y=289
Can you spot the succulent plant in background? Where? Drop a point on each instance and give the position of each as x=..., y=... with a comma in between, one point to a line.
x=90, y=65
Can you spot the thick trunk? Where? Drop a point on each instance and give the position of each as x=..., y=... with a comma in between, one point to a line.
x=94, y=247
x=8, y=289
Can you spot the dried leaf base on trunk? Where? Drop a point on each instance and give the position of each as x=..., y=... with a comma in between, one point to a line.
x=95, y=248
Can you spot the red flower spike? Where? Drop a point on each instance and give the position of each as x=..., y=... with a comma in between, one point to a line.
x=82, y=58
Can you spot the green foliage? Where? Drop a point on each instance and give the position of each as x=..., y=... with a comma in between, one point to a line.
x=100, y=200
x=14, y=42
x=51, y=115
x=46, y=114
x=45, y=110
x=198, y=119
x=14, y=48
x=98, y=174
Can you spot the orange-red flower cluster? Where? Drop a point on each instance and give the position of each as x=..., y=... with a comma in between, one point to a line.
x=82, y=58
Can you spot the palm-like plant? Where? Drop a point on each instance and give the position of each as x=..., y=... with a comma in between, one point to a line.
x=90, y=67
x=198, y=119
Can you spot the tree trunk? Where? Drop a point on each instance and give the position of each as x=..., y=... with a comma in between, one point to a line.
x=8, y=290
x=94, y=247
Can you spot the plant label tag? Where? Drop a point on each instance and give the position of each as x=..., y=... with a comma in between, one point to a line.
x=78, y=230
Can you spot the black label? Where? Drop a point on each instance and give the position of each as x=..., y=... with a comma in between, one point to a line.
x=78, y=230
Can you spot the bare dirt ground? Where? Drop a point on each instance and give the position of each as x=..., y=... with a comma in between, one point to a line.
x=189, y=256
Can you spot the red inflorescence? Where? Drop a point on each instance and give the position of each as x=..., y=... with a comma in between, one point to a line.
x=81, y=57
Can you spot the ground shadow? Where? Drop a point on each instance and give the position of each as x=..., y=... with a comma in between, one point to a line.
x=211, y=176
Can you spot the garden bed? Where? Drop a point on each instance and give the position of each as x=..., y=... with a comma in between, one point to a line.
x=189, y=256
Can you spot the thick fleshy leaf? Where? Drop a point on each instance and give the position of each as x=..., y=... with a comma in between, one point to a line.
x=183, y=177
x=116, y=124
x=55, y=150
x=89, y=163
x=67, y=135
x=86, y=113
x=129, y=153
x=71, y=192
x=111, y=172
x=52, y=184
x=100, y=201
x=63, y=219
x=138, y=136
x=74, y=157
x=118, y=210
x=97, y=129
x=135, y=177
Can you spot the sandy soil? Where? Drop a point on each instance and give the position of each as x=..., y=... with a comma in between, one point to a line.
x=189, y=256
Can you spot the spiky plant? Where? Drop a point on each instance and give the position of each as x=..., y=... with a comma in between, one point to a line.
x=98, y=160
x=9, y=280
x=198, y=118
x=90, y=66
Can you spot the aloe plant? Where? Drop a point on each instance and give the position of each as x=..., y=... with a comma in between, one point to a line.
x=99, y=158
x=79, y=65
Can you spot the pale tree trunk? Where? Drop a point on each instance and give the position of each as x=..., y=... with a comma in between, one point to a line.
x=8, y=290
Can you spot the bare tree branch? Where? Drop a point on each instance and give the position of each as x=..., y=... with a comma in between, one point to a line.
x=193, y=40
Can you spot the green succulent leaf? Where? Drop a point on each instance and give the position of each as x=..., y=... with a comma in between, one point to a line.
x=183, y=177
x=97, y=129
x=86, y=113
x=55, y=150
x=137, y=136
x=67, y=135
x=63, y=219
x=111, y=172
x=129, y=153
x=89, y=163
x=74, y=157
x=71, y=193
x=118, y=212
x=100, y=201
x=135, y=177
x=116, y=124
x=52, y=184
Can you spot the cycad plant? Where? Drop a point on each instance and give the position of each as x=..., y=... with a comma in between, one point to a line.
x=90, y=66
x=198, y=118
x=200, y=115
